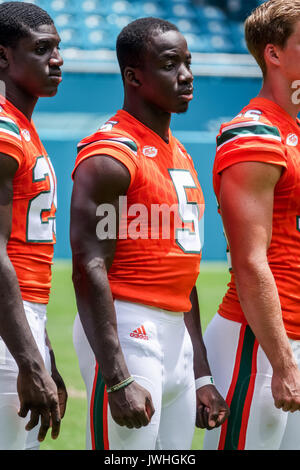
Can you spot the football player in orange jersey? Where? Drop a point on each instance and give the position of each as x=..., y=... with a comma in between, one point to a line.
x=29, y=68
x=135, y=352
x=253, y=342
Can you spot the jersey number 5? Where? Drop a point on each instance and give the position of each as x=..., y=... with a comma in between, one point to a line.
x=188, y=240
x=41, y=209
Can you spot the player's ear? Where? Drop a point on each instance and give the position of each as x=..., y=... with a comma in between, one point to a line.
x=271, y=54
x=131, y=76
x=3, y=58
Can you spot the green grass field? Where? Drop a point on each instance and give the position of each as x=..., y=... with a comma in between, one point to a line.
x=61, y=312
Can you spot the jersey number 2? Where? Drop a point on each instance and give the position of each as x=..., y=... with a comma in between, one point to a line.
x=41, y=210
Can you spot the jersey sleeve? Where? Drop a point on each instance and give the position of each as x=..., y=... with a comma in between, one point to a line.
x=248, y=141
x=121, y=148
x=10, y=139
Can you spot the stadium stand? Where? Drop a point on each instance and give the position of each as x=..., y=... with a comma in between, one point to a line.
x=211, y=26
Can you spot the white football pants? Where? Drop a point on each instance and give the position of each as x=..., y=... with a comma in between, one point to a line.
x=159, y=355
x=243, y=375
x=13, y=435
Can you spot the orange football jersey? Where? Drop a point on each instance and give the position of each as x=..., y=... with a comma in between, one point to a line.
x=158, y=250
x=264, y=132
x=30, y=246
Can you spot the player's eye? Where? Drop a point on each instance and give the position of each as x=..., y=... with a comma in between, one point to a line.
x=42, y=48
x=169, y=65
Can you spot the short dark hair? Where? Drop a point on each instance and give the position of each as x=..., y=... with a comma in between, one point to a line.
x=133, y=39
x=17, y=19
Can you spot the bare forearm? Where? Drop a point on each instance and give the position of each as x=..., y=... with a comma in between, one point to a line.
x=98, y=317
x=260, y=302
x=14, y=328
x=193, y=324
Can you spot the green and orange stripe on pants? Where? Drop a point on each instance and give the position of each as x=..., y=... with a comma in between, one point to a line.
x=240, y=393
x=98, y=413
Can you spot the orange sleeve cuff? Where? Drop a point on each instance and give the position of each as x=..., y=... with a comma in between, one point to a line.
x=112, y=151
x=272, y=156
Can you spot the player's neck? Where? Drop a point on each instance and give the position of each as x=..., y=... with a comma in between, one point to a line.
x=158, y=121
x=21, y=101
x=282, y=94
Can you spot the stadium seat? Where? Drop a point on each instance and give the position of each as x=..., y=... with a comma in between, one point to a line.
x=206, y=13
x=93, y=6
x=94, y=21
x=61, y=6
x=149, y=8
x=186, y=25
x=180, y=10
x=100, y=39
x=65, y=20
x=197, y=43
x=209, y=25
x=71, y=37
x=221, y=44
x=238, y=37
x=239, y=9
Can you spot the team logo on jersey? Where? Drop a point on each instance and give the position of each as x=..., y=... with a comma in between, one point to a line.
x=140, y=333
x=107, y=127
x=292, y=140
x=26, y=135
x=149, y=151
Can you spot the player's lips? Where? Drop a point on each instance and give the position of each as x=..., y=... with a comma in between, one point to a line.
x=56, y=76
x=186, y=94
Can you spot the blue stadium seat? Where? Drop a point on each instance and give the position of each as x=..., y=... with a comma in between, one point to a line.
x=185, y=25
x=61, y=6
x=198, y=43
x=121, y=7
x=117, y=22
x=93, y=21
x=238, y=10
x=209, y=25
x=148, y=8
x=65, y=20
x=100, y=39
x=93, y=6
x=221, y=44
x=206, y=13
x=238, y=37
x=180, y=10
x=71, y=37
x=215, y=26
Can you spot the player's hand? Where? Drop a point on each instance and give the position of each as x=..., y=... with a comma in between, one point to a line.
x=131, y=406
x=38, y=394
x=286, y=389
x=61, y=391
x=212, y=410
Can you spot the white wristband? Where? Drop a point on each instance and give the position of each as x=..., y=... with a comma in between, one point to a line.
x=206, y=380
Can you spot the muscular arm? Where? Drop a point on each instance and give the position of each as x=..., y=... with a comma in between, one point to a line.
x=246, y=202
x=36, y=390
x=101, y=180
x=212, y=410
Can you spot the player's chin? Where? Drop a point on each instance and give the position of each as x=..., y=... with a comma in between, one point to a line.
x=48, y=92
x=182, y=108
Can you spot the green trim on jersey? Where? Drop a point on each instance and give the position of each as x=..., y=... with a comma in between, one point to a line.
x=9, y=126
x=119, y=140
x=247, y=131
